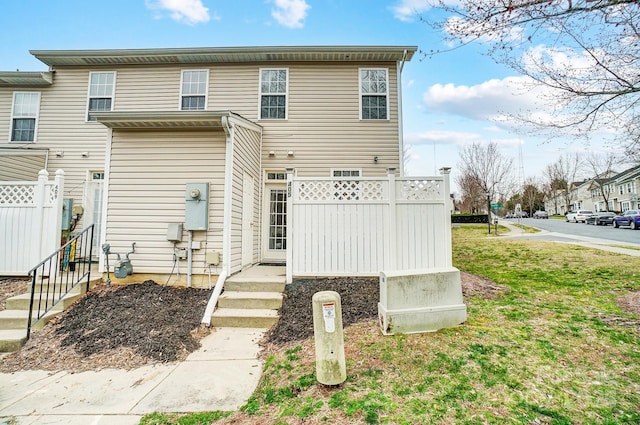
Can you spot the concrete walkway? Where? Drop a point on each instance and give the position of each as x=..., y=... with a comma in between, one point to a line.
x=221, y=375
x=597, y=243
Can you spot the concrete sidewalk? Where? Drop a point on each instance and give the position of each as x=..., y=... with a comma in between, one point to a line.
x=589, y=242
x=221, y=375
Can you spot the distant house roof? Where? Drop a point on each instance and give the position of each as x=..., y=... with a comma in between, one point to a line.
x=197, y=55
x=19, y=78
x=628, y=174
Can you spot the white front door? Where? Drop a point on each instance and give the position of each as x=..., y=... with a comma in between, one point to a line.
x=247, y=219
x=274, y=241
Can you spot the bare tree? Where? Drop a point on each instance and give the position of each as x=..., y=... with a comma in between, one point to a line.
x=564, y=173
x=487, y=169
x=601, y=167
x=472, y=197
x=586, y=51
x=532, y=196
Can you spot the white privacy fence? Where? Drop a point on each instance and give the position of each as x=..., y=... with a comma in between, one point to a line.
x=362, y=226
x=30, y=222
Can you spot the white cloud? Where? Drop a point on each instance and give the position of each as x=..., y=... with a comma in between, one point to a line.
x=439, y=137
x=408, y=10
x=490, y=100
x=190, y=12
x=290, y=13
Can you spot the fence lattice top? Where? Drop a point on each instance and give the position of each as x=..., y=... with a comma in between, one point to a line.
x=420, y=190
x=17, y=194
x=25, y=194
x=341, y=190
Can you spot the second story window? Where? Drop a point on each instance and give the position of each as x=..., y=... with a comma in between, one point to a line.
x=193, y=90
x=374, y=94
x=101, y=92
x=273, y=93
x=24, y=116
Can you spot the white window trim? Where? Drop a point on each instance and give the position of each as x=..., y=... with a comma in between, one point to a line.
x=37, y=117
x=286, y=95
x=360, y=94
x=206, y=88
x=358, y=170
x=113, y=93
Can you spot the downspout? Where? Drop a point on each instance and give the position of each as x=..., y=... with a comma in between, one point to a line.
x=226, y=231
x=105, y=200
x=400, y=66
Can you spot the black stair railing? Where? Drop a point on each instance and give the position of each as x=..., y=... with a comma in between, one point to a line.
x=58, y=274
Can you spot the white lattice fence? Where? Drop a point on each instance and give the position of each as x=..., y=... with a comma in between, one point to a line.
x=30, y=221
x=361, y=226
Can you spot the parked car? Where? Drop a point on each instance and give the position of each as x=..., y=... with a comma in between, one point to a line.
x=600, y=218
x=629, y=218
x=578, y=215
x=540, y=214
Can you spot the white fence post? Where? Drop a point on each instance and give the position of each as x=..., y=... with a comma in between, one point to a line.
x=392, y=260
x=289, y=227
x=57, y=202
x=36, y=243
x=445, y=171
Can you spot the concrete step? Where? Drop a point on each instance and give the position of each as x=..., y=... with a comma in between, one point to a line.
x=244, y=318
x=250, y=300
x=12, y=339
x=21, y=302
x=255, y=284
x=17, y=319
x=45, y=287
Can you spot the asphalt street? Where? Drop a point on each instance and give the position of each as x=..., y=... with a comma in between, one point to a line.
x=562, y=231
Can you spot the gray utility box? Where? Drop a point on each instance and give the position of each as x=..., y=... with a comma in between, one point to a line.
x=420, y=300
x=196, y=216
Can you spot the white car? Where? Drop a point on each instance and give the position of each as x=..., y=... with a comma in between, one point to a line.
x=578, y=215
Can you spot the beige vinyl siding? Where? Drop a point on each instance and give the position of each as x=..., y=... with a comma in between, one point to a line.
x=324, y=129
x=25, y=167
x=62, y=128
x=148, y=89
x=149, y=173
x=246, y=158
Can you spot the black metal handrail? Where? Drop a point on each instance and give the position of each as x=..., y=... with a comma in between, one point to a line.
x=58, y=274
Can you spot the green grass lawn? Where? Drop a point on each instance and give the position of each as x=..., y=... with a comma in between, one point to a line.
x=553, y=348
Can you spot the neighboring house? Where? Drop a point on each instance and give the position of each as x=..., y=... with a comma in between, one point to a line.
x=625, y=187
x=621, y=192
x=137, y=130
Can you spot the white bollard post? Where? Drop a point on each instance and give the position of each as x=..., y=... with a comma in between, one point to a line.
x=331, y=367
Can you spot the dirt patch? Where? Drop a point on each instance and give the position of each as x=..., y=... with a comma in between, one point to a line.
x=630, y=303
x=481, y=287
x=10, y=287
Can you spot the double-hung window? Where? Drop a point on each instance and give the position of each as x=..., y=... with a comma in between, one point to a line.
x=273, y=93
x=24, y=116
x=193, y=90
x=102, y=87
x=374, y=94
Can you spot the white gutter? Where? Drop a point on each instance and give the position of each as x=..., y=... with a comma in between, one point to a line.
x=400, y=66
x=105, y=201
x=229, y=130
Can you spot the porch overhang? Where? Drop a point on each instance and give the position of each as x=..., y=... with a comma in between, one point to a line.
x=26, y=79
x=193, y=120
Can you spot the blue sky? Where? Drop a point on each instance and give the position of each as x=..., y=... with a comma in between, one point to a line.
x=448, y=100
